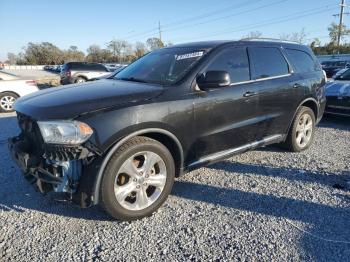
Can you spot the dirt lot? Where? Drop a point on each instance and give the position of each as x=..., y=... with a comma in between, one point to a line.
x=262, y=205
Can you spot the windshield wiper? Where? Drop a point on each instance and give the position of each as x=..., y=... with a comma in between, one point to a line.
x=133, y=79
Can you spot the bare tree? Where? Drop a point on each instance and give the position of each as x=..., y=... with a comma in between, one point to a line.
x=140, y=49
x=94, y=53
x=154, y=43
x=253, y=34
x=118, y=48
x=12, y=58
x=299, y=37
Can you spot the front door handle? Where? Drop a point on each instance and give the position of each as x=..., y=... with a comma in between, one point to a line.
x=249, y=93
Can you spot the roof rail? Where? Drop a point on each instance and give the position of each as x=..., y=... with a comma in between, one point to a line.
x=268, y=40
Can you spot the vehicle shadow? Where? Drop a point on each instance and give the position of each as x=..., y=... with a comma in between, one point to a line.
x=325, y=232
x=293, y=174
x=335, y=122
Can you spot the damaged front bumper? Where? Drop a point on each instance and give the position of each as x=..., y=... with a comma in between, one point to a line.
x=58, y=168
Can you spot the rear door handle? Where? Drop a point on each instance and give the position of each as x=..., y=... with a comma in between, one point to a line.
x=249, y=93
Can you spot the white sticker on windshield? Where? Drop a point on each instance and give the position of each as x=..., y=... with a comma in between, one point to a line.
x=190, y=55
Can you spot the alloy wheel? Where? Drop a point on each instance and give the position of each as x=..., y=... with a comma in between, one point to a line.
x=140, y=180
x=304, y=130
x=6, y=103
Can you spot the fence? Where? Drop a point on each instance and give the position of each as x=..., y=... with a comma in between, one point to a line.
x=24, y=67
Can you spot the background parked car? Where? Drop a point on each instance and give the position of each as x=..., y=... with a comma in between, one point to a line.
x=79, y=72
x=331, y=67
x=338, y=95
x=113, y=67
x=11, y=88
x=111, y=75
x=340, y=72
x=58, y=69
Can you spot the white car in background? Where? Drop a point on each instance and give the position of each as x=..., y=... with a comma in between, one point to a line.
x=13, y=87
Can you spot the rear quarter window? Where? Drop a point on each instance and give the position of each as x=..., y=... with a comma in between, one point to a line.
x=267, y=62
x=302, y=61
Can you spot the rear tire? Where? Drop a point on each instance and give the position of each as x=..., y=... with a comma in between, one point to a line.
x=7, y=99
x=137, y=179
x=80, y=80
x=302, y=131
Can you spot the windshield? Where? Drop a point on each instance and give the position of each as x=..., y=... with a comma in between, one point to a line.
x=165, y=66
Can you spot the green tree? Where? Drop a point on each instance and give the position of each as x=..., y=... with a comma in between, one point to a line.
x=42, y=54
x=73, y=55
x=333, y=31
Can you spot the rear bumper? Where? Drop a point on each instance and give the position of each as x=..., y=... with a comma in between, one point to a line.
x=338, y=106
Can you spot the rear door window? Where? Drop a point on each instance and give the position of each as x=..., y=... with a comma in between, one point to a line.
x=302, y=61
x=267, y=62
x=233, y=60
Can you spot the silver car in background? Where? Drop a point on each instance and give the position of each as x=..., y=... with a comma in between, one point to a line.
x=79, y=72
x=12, y=87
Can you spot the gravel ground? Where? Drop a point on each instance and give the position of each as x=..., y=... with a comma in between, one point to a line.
x=262, y=205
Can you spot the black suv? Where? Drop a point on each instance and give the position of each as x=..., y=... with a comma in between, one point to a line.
x=79, y=72
x=121, y=142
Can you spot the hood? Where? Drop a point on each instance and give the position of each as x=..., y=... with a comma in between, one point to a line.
x=69, y=101
x=338, y=88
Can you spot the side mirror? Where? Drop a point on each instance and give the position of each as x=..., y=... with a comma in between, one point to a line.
x=213, y=79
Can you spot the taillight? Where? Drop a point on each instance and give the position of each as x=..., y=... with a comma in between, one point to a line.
x=68, y=73
x=31, y=82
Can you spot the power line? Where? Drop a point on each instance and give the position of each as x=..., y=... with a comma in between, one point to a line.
x=294, y=16
x=204, y=16
x=228, y=16
x=192, y=18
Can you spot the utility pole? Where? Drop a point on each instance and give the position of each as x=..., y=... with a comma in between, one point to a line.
x=340, y=23
x=160, y=31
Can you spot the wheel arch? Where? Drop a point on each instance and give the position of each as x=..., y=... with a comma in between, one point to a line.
x=163, y=136
x=81, y=76
x=10, y=92
x=308, y=102
x=312, y=104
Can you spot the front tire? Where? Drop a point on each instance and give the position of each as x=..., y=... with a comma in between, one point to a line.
x=302, y=131
x=7, y=99
x=137, y=179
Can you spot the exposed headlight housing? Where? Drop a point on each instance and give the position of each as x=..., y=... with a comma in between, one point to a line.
x=64, y=132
